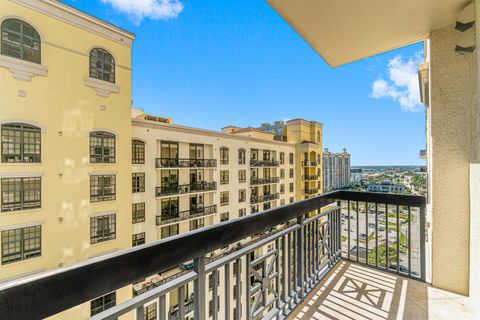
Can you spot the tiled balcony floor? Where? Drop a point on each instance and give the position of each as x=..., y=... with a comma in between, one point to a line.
x=353, y=291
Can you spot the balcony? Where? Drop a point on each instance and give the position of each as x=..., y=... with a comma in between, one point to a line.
x=363, y=256
x=254, y=199
x=258, y=181
x=310, y=191
x=308, y=163
x=176, y=189
x=264, y=163
x=185, y=163
x=173, y=216
x=310, y=177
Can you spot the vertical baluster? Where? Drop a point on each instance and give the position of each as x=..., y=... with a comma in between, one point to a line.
x=162, y=307
x=348, y=237
x=277, y=270
x=339, y=231
x=386, y=237
x=398, y=238
x=199, y=288
x=227, y=291
x=215, y=295
x=316, y=253
x=409, y=244
x=238, y=288
x=358, y=227
x=300, y=244
x=285, y=270
x=140, y=313
x=307, y=253
x=181, y=303
x=367, y=232
x=422, y=243
x=247, y=284
x=289, y=259
x=376, y=234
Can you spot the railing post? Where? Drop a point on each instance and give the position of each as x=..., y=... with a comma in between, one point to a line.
x=199, y=288
x=300, y=256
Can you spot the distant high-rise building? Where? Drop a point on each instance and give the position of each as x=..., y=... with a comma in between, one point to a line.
x=336, y=170
x=356, y=175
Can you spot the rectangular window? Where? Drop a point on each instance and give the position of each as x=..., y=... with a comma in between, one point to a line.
x=102, y=147
x=138, y=212
x=197, y=223
x=224, y=216
x=282, y=188
x=21, y=244
x=242, y=195
x=291, y=200
x=224, y=156
x=103, y=303
x=290, y=173
x=138, y=239
x=150, y=312
x=290, y=158
x=102, y=188
x=169, y=150
x=242, y=176
x=138, y=182
x=224, y=198
x=224, y=177
x=21, y=143
x=242, y=212
x=169, y=231
x=253, y=154
x=282, y=158
x=282, y=202
x=21, y=193
x=138, y=152
x=266, y=155
x=291, y=187
x=196, y=151
x=103, y=228
x=282, y=173
x=241, y=156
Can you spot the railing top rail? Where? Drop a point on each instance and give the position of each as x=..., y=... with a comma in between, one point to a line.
x=52, y=291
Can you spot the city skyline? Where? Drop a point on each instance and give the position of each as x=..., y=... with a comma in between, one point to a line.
x=227, y=63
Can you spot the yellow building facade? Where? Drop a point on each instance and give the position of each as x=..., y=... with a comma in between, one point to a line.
x=65, y=170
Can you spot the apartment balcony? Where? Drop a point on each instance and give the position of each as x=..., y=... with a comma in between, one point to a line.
x=310, y=177
x=362, y=257
x=258, y=181
x=308, y=163
x=264, y=163
x=185, y=163
x=173, y=216
x=310, y=191
x=254, y=199
x=176, y=189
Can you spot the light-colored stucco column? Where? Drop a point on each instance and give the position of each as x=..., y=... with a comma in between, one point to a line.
x=452, y=100
x=475, y=175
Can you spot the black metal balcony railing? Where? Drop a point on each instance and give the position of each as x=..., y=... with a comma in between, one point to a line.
x=264, y=163
x=256, y=181
x=172, y=216
x=173, y=189
x=310, y=177
x=310, y=191
x=383, y=231
x=185, y=163
x=308, y=163
x=266, y=197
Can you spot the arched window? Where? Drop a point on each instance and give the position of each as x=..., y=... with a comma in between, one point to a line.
x=102, y=147
x=138, y=152
x=319, y=136
x=102, y=65
x=20, y=40
x=20, y=143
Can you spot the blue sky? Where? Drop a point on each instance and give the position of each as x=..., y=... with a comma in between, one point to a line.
x=212, y=63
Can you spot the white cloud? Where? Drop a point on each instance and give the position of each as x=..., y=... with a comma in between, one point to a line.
x=152, y=9
x=402, y=84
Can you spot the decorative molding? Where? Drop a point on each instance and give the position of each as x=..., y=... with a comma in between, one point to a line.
x=21, y=175
x=23, y=70
x=103, y=88
x=42, y=127
x=22, y=225
x=65, y=13
x=103, y=173
x=116, y=134
x=104, y=213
